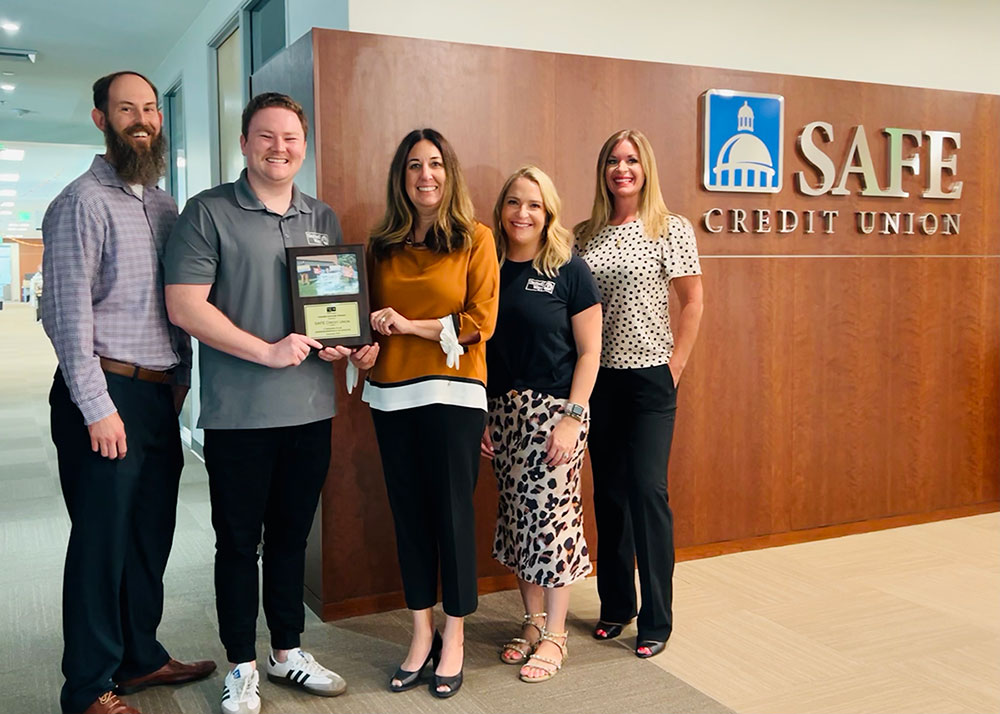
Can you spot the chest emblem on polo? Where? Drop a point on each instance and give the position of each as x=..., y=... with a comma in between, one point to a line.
x=317, y=238
x=539, y=286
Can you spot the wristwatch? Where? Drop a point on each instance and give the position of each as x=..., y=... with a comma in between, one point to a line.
x=574, y=411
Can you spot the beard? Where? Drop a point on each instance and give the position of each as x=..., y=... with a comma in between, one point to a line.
x=141, y=165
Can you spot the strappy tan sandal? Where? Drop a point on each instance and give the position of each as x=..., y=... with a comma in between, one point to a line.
x=521, y=646
x=556, y=666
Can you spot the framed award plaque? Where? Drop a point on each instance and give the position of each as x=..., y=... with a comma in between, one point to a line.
x=330, y=294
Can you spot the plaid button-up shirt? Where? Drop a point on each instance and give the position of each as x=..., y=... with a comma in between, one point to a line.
x=103, y=278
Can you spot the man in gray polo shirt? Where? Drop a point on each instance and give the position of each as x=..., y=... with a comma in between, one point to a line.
x=267, y=400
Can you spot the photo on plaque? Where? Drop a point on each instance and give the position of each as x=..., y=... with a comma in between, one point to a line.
x=329, y=291
x=327, y=274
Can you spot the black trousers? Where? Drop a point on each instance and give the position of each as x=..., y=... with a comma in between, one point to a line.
x=263, y=480
x=430, y=457
x=632, y=425
x=122, y=514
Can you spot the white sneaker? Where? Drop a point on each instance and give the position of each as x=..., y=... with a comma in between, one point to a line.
x=301, y=670
x=241, y=691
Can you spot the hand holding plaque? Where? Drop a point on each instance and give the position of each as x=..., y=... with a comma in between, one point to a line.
x=330, y=294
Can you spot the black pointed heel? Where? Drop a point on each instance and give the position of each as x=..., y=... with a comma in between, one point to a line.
x=409, y=680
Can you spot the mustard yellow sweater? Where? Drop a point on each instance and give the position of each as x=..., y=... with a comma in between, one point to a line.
x=421, y=284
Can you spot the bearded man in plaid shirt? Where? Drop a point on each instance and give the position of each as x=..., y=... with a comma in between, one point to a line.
x=123, y=375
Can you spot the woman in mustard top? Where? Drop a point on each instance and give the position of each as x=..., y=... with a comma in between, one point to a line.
x=434, y=284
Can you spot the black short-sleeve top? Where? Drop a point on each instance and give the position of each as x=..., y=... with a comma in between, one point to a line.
x=634, y=273
x=533, y=346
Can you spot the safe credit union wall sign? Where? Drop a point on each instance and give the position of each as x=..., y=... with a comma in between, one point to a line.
x=742, y=152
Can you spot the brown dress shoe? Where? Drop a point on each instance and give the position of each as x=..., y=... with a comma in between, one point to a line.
x=173, y=672
x=108, y=703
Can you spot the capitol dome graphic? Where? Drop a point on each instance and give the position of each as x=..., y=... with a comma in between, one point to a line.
x=742, y=151
x=744, y=159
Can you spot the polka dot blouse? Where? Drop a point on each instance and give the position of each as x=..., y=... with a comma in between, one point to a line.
x=634, y=272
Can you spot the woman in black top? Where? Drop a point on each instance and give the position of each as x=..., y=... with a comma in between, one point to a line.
x=542, y=363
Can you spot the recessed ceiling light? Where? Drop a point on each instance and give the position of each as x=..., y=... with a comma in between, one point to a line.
x=6, y=213
x=7, y=204
x=11, y=154
x=8, y=87
x=10, y=178
x=9, y=26
x=8, y=192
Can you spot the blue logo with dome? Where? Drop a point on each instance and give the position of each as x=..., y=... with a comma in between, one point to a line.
x=743, y=141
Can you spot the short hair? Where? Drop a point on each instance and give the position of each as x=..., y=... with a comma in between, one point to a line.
x=455, y=223
x=102, y=88
x=652, y=210
x=274, y=99
x=557, y=241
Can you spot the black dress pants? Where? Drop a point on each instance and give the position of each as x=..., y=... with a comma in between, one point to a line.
x=123, y=514
x=632, y=425
x=263, y=479
x=430, y=458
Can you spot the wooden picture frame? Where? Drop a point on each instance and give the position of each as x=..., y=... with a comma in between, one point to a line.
x=329, y=291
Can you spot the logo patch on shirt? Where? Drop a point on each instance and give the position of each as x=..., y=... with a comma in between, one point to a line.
x=540, y=286
x=317, y=238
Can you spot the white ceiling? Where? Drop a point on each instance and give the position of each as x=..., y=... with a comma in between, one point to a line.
x=48, y=113
x=78, y=41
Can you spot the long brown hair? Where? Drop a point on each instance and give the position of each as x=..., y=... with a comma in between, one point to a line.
x=454, y=224
x=652, y=210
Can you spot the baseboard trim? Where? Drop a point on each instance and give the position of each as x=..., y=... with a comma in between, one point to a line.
x=709, y=550
x=494, y=583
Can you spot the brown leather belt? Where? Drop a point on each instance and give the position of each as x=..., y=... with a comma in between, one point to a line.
x=133, y=371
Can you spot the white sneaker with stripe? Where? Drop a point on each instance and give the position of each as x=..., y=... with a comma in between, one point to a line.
x=241, y=691
x=301, y=670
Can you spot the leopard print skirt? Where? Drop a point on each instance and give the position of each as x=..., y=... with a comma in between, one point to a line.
x=539, y=532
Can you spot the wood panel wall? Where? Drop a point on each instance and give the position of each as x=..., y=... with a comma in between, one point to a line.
x=837, y=379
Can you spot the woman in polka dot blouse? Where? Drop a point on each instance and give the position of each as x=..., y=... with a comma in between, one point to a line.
x=636, y=250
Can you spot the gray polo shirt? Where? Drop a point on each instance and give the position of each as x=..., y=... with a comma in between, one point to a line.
x=228, y=239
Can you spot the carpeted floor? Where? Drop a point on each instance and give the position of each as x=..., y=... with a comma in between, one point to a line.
x=598, y=676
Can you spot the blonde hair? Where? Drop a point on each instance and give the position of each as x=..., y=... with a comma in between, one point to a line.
x=557, y=241
x=652, y=210
x=455, y=223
